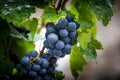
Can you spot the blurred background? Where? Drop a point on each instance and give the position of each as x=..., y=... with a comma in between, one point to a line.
x=108, y=66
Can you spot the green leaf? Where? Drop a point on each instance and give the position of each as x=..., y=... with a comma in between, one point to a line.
x=50, y=15
x=102, y=9
x=14, y=33
x=32, y=26
x=17, y=11
x=85, y=16
x=6, y=68
x=76, y=61
x=20, y=46
x=97, y=44
x=39, y=3
x=4, y=28
x=89, y=53
x=84, y=39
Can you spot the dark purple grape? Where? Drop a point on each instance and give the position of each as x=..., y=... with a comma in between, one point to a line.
x=47, y=77
x=63, y=33
x=53, y=60
x=73, y=41
x=66, y=40
x=46, y=44
x=34, y=53
x=32, y=74
x=57, y=52
x=19, y=66
x=23, y=71
x=29, y=66
x=43, y=71
x=62, y=23
x=73, y=34
x=60, y=44
x=25, y=60
x=67, y=48
x=36, y=67
x=71, y=26
x=38, y=60
x=52, y=38
x=44, y=63
x=77, y=25
x=70, y=18
x=38, y=78
x=50, y=29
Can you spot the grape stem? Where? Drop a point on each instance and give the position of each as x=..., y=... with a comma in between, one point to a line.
x=41, y=52
x=58, y=6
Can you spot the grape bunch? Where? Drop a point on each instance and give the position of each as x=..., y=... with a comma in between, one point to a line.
x=32, y=67
x=60, y=37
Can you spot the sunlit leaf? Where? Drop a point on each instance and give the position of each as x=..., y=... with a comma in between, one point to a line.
x=76, y=61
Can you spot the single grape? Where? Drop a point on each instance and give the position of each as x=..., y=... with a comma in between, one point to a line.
x=66, y=40
x=62, y=23
x=49, y=24
x=77, y=25
x=57, y=52
x=34, y=53
x=63, y=55
x=51, y=45
x=29, y=66
x=43, y=71
x=38, y=78
x=73, y=41
x=71, y=26
x=25, y=60
x=28, y=54
x=73, y=34
x=23, y=71
x=52, y=38
x=67, y=48
x=60, y=44
x=46, y=34
x=70, y=18
x=51, y=69
x=50, y=52
x=33, y=74
x=53, y=60
x=19, y=66
x=47, y=77
x=36, y=67
x=50, y=29
x=44, y=63
x=38, y=60
x=46, y=44
x=63, y=33
x=46, y=56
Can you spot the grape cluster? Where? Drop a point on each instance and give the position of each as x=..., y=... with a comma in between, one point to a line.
x=60, y=37
x=32, y=67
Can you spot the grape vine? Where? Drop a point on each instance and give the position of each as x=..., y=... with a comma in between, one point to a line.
x=68, y=32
